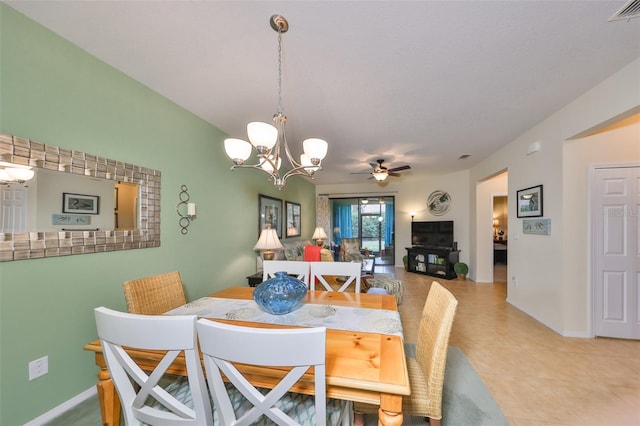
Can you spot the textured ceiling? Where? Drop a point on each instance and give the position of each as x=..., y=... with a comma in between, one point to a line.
x=415, y=82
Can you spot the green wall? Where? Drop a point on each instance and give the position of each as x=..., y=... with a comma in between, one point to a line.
x=53, y=92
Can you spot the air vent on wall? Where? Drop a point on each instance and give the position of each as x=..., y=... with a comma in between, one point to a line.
x=630, y=10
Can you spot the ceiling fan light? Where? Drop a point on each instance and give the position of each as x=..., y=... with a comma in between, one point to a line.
x=315, y=148
x=237, y=149
x=380, y=176
x=262, y=134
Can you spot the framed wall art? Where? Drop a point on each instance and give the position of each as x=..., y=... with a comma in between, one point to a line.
x=269, y=213
x=80, y=204
x=439, y=202
x=293, y=219
x=536, y=226
x=529, y=202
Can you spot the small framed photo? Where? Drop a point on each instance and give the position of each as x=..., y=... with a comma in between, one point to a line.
x=293, y=219
x=80, y=204
x=529, y=202
x=269, y=213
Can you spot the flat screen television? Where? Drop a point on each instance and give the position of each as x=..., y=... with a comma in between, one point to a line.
x=432, y=234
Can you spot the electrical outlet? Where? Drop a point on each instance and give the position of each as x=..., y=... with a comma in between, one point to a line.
x=38, y=367
x=514, y=280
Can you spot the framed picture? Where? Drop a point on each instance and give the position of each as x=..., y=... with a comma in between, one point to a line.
x=269, y=213
x=78, y=203
x=293, y=219
x=529, y=202
x=536, y=226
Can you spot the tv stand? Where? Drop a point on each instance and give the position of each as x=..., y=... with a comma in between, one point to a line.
x=434, y=261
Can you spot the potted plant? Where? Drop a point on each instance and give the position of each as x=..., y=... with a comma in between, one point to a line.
x=461, y=269
x=405, y=260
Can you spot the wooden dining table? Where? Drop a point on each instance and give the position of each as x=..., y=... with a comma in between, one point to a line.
x=365, y=367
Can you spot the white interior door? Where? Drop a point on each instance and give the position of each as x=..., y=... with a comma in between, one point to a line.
x=615, y=213
x=13, y=209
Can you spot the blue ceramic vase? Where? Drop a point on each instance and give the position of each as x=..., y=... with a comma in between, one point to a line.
x=280, y=295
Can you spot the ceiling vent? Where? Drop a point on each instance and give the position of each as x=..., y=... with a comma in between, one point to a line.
x=630, y=10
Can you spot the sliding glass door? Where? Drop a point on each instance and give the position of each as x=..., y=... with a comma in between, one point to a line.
x=370, y=219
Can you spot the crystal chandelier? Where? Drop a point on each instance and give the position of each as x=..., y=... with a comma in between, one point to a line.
x=270, y=141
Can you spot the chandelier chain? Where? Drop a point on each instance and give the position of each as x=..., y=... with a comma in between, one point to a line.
x=280, y=109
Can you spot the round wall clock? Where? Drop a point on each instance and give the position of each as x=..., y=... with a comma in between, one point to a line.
x=439, y=202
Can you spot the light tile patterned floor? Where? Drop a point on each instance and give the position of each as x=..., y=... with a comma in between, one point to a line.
x=537, y=376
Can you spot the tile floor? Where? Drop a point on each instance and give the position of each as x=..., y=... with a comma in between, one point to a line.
x=537, y=376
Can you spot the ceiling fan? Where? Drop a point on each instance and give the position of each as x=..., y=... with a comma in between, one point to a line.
x=381, y=172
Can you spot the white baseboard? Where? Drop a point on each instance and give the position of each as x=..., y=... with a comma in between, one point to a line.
x=65, y=406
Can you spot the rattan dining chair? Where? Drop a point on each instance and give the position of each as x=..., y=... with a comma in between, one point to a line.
x=427, y=369
x=238, y=402
x=155, y=294
x=154, y=398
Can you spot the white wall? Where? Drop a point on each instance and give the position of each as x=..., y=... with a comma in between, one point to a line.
x=552, y=271
x=548, y=287
x=411, y=194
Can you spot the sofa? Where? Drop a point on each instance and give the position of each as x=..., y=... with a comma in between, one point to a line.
x=294, y=250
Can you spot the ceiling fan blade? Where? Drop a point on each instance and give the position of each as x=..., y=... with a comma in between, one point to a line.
x=397, y=169
x=394, y=174
x=361, y=173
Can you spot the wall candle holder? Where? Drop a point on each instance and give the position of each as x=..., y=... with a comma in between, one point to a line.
x=190, y=214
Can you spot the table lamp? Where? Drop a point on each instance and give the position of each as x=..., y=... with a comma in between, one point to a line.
x=267, y=243
x=319, y=235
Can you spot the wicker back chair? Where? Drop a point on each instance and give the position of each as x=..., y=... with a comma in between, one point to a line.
x=154, y=295
x=426, y=370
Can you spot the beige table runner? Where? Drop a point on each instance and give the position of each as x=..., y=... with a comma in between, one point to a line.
x=381, y=321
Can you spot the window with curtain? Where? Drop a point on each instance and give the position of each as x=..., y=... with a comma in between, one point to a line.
x=371, y=219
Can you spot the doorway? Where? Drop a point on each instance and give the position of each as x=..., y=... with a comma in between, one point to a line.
x=500, y=225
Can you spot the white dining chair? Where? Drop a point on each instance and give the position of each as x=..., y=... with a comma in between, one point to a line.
x=238, y=402
x=321, y=271
x=293, y=267
x=152, y=398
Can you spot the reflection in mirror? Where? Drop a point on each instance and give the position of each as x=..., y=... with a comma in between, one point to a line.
x=75, y=203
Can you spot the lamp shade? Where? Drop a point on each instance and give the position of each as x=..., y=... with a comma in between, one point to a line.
x=319, y=234
x=305, y=161
x=237, y=149
x=268, y=240
x=262, y=134
x=315, y=148
x=266, y=165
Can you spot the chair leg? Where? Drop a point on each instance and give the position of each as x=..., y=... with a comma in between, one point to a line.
x=433, y=422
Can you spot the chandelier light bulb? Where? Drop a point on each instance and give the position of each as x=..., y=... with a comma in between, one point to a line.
x=262, y=134
x=315, y=148
x=266, y=165
x=305, y=162
x=237, y=149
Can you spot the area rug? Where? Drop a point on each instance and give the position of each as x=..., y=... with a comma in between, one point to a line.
x=466, y=401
